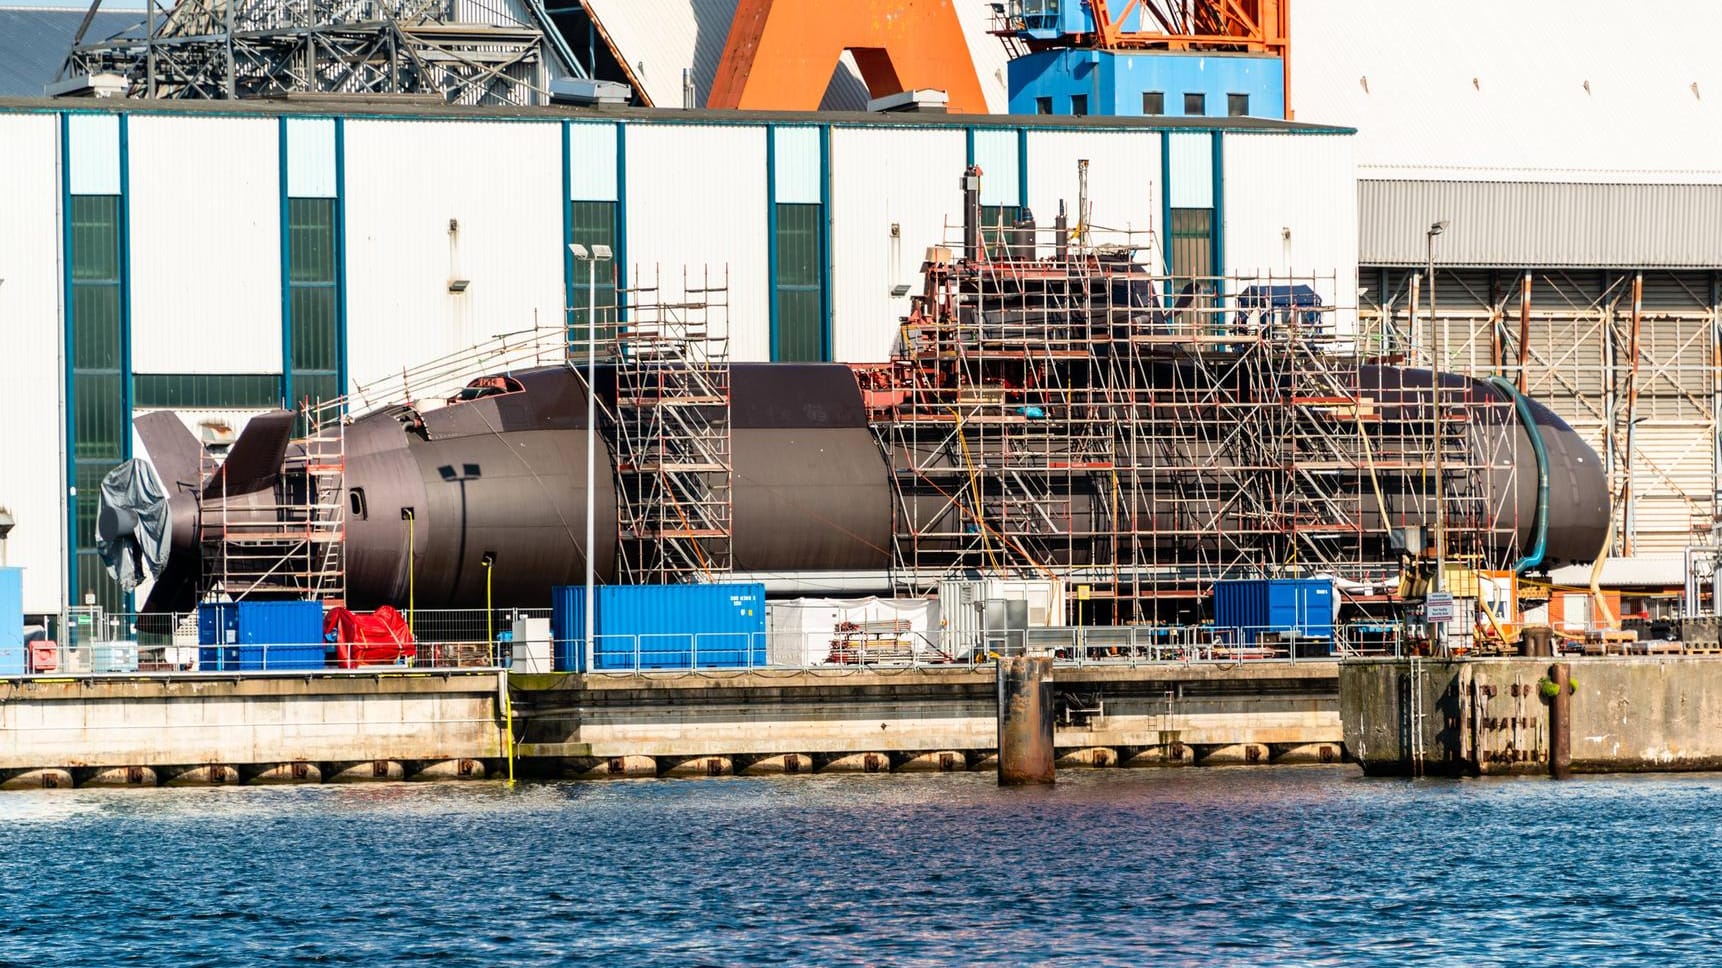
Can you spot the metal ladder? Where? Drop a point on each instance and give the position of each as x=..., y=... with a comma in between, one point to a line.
x=1416, y=713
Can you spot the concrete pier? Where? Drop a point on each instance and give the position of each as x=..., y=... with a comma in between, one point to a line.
x=1025, y=721
x=362, y=727
x=1406, y=717
x=891, y=720
x=211, y=730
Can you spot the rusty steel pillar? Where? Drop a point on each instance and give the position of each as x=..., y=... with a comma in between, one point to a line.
x=1561, y=722
x=1524, y=330
x=1629, y=503
x=971, y=186
x=1025, y=720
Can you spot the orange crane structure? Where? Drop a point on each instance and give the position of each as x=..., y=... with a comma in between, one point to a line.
x=780, y=54
x=1236, y=26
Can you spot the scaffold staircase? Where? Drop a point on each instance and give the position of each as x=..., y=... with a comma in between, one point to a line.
x=292, y=542
x=672, y=432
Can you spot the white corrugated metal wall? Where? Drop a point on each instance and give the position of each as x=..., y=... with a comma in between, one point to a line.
x=893, y=191
x=1541, y=223
x=406, y=181
x=32, y=459
x=1674, y=470
x=697, y=201
x=1579, y=366
x=1452, y=90
x=1300, y=184
x=205, y=208
x=1123, y=180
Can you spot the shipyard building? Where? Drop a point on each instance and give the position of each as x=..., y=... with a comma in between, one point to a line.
x=224, y=258
x=227, y=258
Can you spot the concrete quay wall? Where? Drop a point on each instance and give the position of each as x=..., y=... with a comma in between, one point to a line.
x=318, y=727
x=229, y=729
x=1488, y=716
x=1172, y=713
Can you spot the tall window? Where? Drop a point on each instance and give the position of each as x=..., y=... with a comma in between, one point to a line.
x=996, y=222
x=1192, y=243
x=592, y=223
x=799, y=284
x=98, y=380
x=313, y=290
x=219, y=391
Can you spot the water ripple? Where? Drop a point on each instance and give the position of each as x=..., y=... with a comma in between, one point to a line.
x=1297, y=866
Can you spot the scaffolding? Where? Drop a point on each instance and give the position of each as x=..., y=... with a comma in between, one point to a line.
x=1060, y=410
x=671, y=430
x=1631, y=359
x=287, y=539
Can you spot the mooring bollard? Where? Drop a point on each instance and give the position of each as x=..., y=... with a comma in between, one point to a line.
x=1561, y=722
x=1025, y=720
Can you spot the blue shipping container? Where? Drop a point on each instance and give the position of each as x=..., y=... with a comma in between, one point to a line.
x=1303, y=606
x=662, y=626
x=257, y=636
x=260, y=658
x=12, y=656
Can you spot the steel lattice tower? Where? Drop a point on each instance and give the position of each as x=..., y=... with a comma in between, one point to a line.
x=496, y=52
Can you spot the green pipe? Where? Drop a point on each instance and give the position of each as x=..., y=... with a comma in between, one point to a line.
x=1541, y=524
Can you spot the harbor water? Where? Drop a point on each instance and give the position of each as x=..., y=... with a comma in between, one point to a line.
x=1256, y=866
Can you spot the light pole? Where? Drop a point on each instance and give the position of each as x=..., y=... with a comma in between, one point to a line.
x=1437, y=630
x=597, y=254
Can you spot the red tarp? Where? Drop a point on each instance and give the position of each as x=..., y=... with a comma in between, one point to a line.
x=380, y=638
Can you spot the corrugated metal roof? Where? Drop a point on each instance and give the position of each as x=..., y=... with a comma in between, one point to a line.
x=658, y=39
x=33, y=43
x=1643, y=571
x=1524, y=224
x=1534, y=90
x=383, y=107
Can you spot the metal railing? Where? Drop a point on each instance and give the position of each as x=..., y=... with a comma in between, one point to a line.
x=125, y=644
x=96, y=642
x=1075, y=645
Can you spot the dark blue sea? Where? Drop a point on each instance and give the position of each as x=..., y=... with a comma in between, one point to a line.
x=1244, y=866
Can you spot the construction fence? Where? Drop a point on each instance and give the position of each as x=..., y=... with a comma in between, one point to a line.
x=520, y=640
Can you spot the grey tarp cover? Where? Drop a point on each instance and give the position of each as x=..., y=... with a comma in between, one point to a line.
x=133, y=528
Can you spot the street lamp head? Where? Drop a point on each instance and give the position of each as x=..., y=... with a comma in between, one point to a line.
x=1438, y=227
x=579, y=251
x=601, y=253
